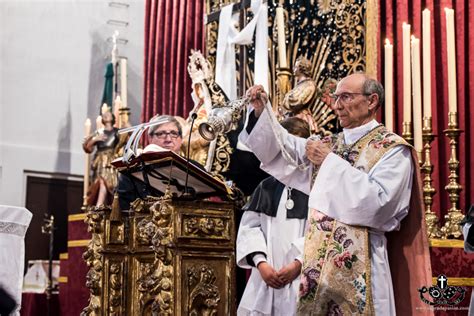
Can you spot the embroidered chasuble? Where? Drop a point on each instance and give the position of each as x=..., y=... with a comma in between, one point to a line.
x=336, y=273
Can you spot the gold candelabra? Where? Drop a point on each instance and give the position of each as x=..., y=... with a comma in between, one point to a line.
x=406, y=133
x=428, y=190
x=284, y=85
x=124, y=117
x=454, y=216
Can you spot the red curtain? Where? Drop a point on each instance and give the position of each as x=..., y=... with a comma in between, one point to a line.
x=172, y=29
x=392, y=15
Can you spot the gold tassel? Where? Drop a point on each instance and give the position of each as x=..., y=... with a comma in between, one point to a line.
x=116, y=214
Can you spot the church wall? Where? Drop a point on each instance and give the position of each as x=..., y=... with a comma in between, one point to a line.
x=53, y=57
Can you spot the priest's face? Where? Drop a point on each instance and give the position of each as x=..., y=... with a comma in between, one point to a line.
x=167, y=135
x=352, y=105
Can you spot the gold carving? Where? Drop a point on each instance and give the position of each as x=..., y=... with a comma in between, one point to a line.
x=304, y=91
x=203, y=293
x=93, y=258
x=148, y=283
x=222, y=154
x=115, y=232
x=145, y=231
x=371, y=27
x=211, y=42
x=162, y=245
x=350, y=22
x=115, y=288
x=204, y=226
x=143, y=276
x=143, y=206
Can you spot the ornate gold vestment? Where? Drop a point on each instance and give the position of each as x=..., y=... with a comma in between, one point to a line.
x=336, y=271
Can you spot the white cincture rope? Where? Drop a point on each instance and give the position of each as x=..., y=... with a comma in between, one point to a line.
x=286, y=155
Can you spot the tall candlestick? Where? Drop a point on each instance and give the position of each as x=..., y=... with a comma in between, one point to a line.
x=87, y=131
x=388, y=85
x=426, y=63
x=117, y=106
x=451, y=52
x=281, y=37
x=123, y=81
x=417, y=119
x=406, y=73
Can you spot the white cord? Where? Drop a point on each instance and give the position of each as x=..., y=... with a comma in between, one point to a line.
x=286, y=155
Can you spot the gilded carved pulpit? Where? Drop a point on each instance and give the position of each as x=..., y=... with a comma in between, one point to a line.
x=168, y=255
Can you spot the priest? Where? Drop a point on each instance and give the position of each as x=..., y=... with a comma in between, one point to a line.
x=366, y=248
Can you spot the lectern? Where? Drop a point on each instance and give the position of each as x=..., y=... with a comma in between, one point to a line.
x=169, y=255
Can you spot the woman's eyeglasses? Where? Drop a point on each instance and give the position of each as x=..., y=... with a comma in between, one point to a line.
x=163, y=134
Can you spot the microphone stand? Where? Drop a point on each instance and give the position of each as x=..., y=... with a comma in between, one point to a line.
x=186, y=194
x=48, y=228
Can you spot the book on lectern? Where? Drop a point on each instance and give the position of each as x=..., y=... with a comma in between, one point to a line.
x=165, y=168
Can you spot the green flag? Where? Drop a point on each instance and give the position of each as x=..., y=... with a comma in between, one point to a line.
x=107, y=97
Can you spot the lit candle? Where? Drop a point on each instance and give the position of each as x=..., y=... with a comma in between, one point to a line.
x=87, y=127
x=98, y=123
x=281, y=37
x=117, y=107
x=123, y=81
x=388, y=85
x=87, y=131
x=417, y=120
x=104, y=108
x=406, y=73
x=451, y=50
x=426, y=63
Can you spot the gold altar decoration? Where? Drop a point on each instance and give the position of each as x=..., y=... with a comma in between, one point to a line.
x=331, y=35
x=454, y=216
x=167, y=257
x=215, y=155
x=428, y=190
x=104, y=151
x=283, y=87
x=406, y=133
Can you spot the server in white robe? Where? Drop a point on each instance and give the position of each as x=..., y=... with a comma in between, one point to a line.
x=270, y=241
x=468, y=232
x=275, y=241
x=378, y=199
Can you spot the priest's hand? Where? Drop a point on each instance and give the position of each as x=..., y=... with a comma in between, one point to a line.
x=290, y=272
x=257, y=98
x=269, y=275
x=317, y=151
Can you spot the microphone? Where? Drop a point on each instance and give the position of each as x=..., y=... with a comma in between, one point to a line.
x=187, y=193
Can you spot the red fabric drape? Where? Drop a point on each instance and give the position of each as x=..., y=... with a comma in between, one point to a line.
x=172, y=29
x=392, y=15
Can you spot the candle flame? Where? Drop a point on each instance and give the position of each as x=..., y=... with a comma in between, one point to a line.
x=387, y=41
x=104, y=108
